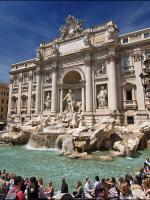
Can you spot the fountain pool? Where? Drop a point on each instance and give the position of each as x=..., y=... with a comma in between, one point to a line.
x=29, y=162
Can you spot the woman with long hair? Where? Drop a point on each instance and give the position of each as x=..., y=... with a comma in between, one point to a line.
x=80, y=193
x=126, y=191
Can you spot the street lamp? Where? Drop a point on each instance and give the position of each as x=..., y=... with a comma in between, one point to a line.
x=145, y=77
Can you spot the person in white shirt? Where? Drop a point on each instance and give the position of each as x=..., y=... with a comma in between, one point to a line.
x=88, y=189
x=113, y=194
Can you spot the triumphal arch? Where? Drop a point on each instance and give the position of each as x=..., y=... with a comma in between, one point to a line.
x=92, y=71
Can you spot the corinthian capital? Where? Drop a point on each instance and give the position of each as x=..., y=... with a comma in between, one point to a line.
x=54, y=67
x=88, y=62
x=38, y=72
x=137, y=56
x=111, y=57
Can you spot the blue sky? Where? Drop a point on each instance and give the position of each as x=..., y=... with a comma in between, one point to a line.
x=25, y=24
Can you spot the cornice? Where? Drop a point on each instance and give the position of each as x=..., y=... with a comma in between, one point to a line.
x=22, y=70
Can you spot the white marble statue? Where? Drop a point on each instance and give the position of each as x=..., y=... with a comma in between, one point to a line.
x=70, y=100
x=48, y=102
x=38, y=54
x=102, y=69
x=102, y=98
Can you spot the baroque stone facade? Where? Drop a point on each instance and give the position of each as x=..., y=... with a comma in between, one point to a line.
x=92, y=71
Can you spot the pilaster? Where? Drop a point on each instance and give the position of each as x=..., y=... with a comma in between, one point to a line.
x=54, y=87
x=112, y=84
x=19, y=93
x=30, y=77
x=89, y=106
x=38, y=90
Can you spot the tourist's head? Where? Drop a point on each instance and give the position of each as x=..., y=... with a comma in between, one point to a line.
x=40, y=181
x=97, y=178
x=13, y=176
x=78, y=184
x=18, y=181
x=7, y=174
x=33, y=182
x=63, y=180
x=147, y=159
x=114, y=185
x=102, y=192
x=3, y=172
x=3, y=177
x=50, y=184
x=142, y=169
x=121, y=179
x=103, y=180
x=87, y=180
x=125, y=188
x=146, y=184
x=113, y=179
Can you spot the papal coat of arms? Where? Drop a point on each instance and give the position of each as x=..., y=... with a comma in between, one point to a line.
x=72, y=27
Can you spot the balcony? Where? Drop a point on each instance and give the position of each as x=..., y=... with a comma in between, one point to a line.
x=23, y=110
x=128, y=71
x=130, y=104
x=15, y=88
x=25, y=87
x=13, y=110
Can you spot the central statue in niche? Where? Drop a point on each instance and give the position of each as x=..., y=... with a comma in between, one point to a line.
x=102, y=95
x=70, y=101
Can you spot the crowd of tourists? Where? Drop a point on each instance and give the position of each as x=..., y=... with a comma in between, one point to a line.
x=32, y=189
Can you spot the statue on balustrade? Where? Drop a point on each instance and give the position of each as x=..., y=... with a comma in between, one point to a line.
x=70, y=101
x=102, y=95
x=48, y=102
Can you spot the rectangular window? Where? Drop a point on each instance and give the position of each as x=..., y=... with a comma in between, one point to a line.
x=146, y=35
x=147, y=54
x=125, y=40
x=3, y=93
x=16, y=66
x=14, y=103
x=130, y=120
x=126, y=61
x=2, y=109
x=25, y=79
x=7, y=101
x=24, y=103
x=15, y=82
x=1, y=116
x=25, y=64
x=129, y=94
x=2, y=101
x=7, y=93
x=35, y=78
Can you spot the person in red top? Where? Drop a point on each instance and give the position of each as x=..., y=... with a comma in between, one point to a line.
x=18, y=183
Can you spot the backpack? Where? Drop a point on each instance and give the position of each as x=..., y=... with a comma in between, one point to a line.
x=12, y=195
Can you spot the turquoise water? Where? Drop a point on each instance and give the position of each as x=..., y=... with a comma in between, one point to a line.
x=49, y=166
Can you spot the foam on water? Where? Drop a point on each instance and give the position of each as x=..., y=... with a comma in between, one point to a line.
x=129, y=158
x=28, y=146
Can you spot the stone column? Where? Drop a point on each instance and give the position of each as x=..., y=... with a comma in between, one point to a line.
x=61, y=100
x=19, y=94
x=88, y=84
x=10, y=95
x=29, y=92
x=138, y=70
x=38, y=90
x=112, y=84
x=54, y=88
x=83, y=98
